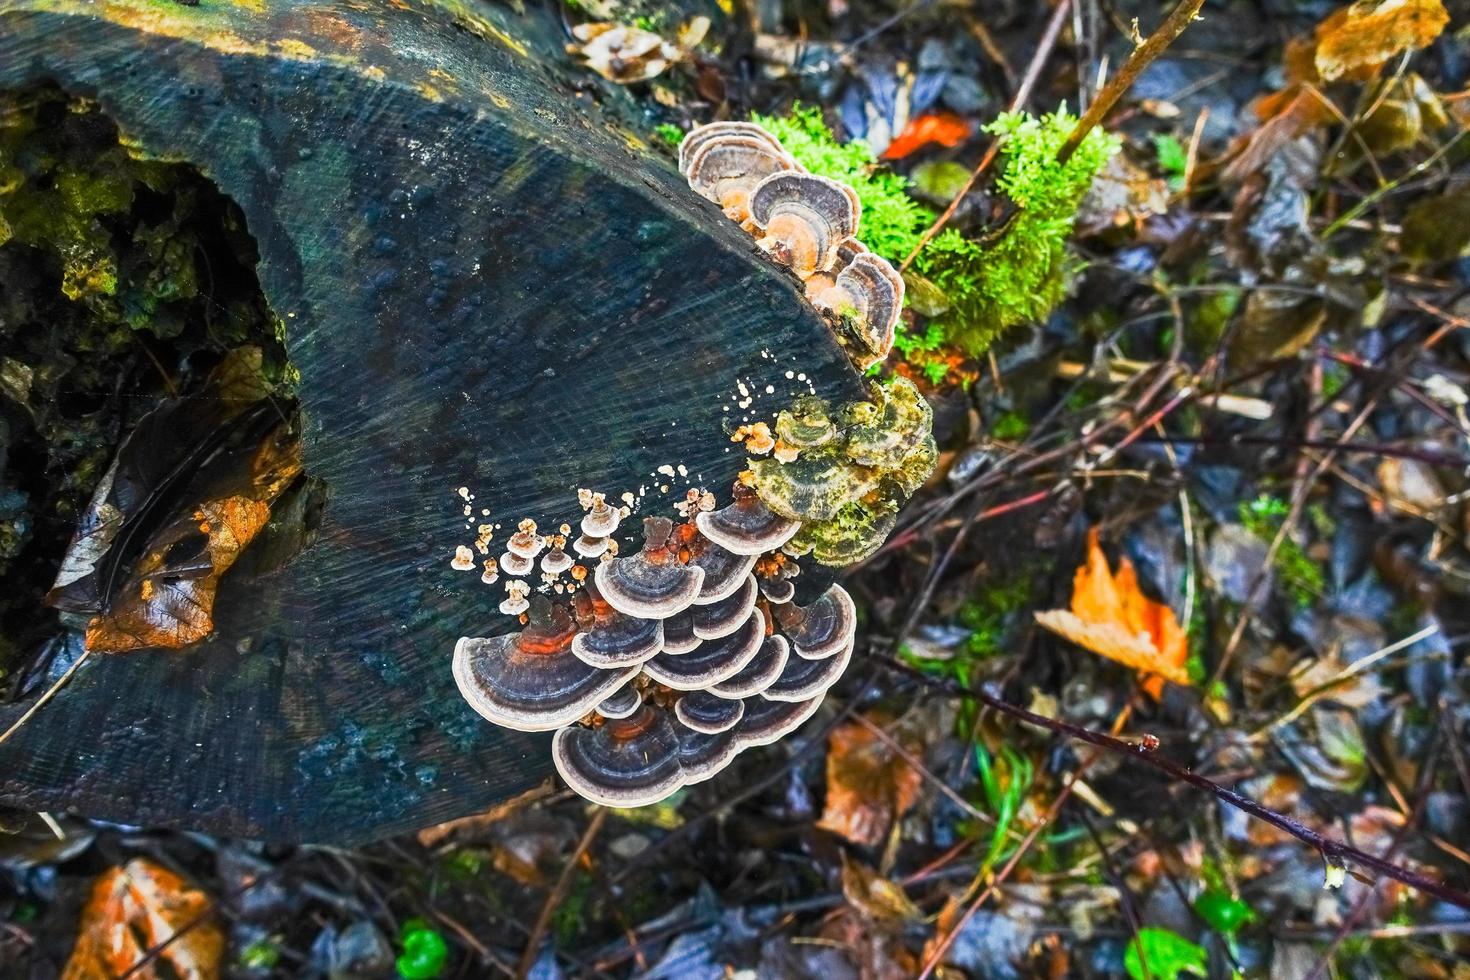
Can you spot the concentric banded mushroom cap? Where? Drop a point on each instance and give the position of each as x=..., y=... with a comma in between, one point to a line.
x=814, y=486
x=803, y=679
x=601, y=520
x=727, y=170
x=747, y=526
x=803, y=218
x=616, y=640
x=556, y=560
x=819, y=630
x=713, y=661
x=724, y=571
x=870, y=293
x=625, y=762
x=700, y=136
x=621, y=703
x=759, y=674
x=882, y=432
x=679, y=633
x=704, y=755
x=516, y=565
x=590, y=547
x=726, y=616
x=806, y=424
x=652, y=584
x=708, y=713
x=846, y=252
x=530, y=681
x=778, y=591
x=766, y=721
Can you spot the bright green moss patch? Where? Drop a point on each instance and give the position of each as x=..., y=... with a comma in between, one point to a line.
x=1300, y=576
x=892, y=221
x=1021, y=274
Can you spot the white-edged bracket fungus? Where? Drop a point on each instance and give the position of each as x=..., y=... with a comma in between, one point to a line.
x=620, y=703
x=766, y=721
x=531, y=681
x=652, y=584
x=725, y=571
x=865, y=298
x=726, y=169
x=679, y=634
x=759, y=674
x=821, y=629
x=713, y=661
x=708, y=714
x=746, y=526
x=803, y=679
x=614, y=639
x=624, y=762
x=802, y=218
x=726, y=616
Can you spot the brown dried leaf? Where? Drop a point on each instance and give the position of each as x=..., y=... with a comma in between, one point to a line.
x=868, y=785
x=1354, y=42
x=875, y=896
x=135, y=908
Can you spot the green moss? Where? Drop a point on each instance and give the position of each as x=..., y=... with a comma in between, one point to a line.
x=891, y=220
x=1300, y=576
x=1010, y=427
x=669, y=133
x=991, y=613
x=1021, y=274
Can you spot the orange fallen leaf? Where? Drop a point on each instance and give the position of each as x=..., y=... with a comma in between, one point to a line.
x=1110, y=616
x=868, y=785
x=944, y=128
x=135, y=908
x=1355, y=41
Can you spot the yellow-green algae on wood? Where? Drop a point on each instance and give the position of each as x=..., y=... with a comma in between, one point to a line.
x=853, y=469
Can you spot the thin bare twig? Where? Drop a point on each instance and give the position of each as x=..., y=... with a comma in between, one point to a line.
x=543, y=921
x=1330, y=848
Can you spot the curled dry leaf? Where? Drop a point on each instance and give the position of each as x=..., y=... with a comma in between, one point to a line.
x=1355, y=41
x=135, y=908
x=868, y=785
x=631, y=54
x=1110, y=616
x=944, y=128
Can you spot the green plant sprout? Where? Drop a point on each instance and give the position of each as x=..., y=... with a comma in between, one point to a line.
x=1166, y=953
x=1300, y=575
x=669, y=133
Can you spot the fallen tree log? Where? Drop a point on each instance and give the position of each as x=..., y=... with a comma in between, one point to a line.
x=483, y=284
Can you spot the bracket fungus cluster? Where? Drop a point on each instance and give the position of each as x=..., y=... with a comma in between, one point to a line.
x=806, y=222
x=669, y=660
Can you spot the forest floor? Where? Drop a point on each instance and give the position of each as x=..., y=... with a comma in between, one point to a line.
x=1245, y=428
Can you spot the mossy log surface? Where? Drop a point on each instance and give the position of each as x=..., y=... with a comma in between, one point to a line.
x=483, y=284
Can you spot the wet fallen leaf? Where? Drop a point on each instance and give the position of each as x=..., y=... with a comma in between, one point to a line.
x=944, y=128
x=135, y=908
x=876, y=896
x=168, y=598
x=868, y=785
x=1110, y=616
x=1122, y=194
x=1355, y=41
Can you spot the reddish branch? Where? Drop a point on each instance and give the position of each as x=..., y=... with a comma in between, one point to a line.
x=1333, y=850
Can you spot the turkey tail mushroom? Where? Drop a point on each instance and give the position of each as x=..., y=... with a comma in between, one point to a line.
x=713, y=661
x=708, y=714
x=728, y=169
x=866, y=296
x=726, y=616
x=725, y=571
x=701, y=136
x=652, y=584
x=803, y=679
x=766, y=721
x=615, y=639
x=803, y=218
x=822, y=629
x=759, y=674
x=624, y=762
x=531, y=681
x=747, y=526
x=621, y=703
x=702, y=755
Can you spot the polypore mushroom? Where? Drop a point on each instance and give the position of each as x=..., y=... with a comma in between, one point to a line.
x=614, y=639
x=601, y=519
x=778, y=591
x=704, y=755
x=766, y=721
x=653, y=583
x=531, y=681
x=727, y=170
x=747, y=526
x=516, y=599
x=883, y=432
x=803, y=218
x=821, y=629
x=803, y=678
x=625, y=762
x=846, y=252
x=713, y=661
x=679, y=633
x=867, y=296
x=725, y=571
x=726, y=616
x=556, y=560
x=708, y=713
x=700, y=136
x=621, y=703
x=759, y=674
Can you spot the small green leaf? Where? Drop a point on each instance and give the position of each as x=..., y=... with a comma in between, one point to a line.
x=1167, y=954
x=424, y=951
x=1223, y=913
x=1172, y=158
x=671, y=134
